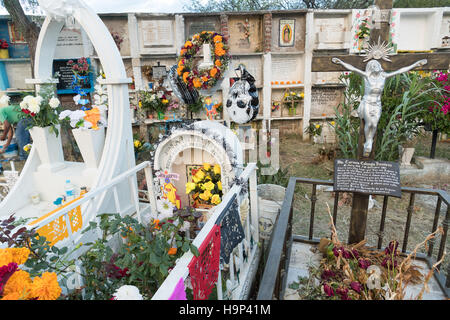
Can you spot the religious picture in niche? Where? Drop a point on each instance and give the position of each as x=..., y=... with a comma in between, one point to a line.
x=287, y=29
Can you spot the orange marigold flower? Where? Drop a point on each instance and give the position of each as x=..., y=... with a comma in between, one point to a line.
x=183, y=52
x=188, y=44
x=185, y=75
x=18, y=285
x=205, y=79
x=156, y=224
x=218, y=63
x=197, y=83
x=17, y=255
x=12, y=296
x=172, y=251
x=180, y=70
x=217, y=39
x=46, y=287
x=213, y=72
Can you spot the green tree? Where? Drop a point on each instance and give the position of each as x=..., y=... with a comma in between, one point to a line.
x=421, y=3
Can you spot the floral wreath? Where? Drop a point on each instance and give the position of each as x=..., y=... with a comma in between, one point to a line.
x=208, y=78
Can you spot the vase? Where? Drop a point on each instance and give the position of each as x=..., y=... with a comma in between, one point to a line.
x=4, y=54
x=160, y=115
x=90, y=142
x=405, y=155
x=48, y=147
x=292, y=111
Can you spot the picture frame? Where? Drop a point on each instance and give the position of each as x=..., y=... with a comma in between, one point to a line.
x=286, y=33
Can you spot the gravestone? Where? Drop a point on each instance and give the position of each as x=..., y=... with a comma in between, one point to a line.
x=157, y=33
x=324, y=100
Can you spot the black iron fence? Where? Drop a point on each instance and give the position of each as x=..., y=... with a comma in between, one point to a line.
x=273, y=280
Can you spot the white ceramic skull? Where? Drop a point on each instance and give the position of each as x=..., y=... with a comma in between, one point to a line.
x=243, y=102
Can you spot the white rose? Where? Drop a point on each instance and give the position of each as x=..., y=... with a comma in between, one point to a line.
x=34, y=104
x=128, y=292
x=4, y=101
x=77, y=98
x=54, y=103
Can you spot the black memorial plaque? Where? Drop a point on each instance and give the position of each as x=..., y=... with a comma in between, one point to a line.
x=65, y=77
x=368, y=177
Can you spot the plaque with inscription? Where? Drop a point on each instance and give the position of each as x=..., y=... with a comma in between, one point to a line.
x=65, y=77
x=368, y=177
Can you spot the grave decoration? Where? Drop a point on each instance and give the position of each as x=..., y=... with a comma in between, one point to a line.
x=158, y=100
x=243, y=102
x=207, y=76
x=89, y=123
x=291, y=100
x=231, y=231
x=355, y=272
x=374, y=79
x=180, y=89
x=206, y=186
x=204, y=269
x=205, y=155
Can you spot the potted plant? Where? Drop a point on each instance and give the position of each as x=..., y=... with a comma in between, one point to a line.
x=43, y=111
x=4, y=53
x=89, y=126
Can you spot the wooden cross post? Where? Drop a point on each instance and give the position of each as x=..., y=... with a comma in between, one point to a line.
x=323, y=63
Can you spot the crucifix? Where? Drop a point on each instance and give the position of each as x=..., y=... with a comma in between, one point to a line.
x=369, y=111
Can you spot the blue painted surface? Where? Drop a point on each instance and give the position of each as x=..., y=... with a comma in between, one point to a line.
x=4, y=83
x=19, y=50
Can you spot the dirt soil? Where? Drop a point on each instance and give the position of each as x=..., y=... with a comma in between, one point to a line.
x=303, y=160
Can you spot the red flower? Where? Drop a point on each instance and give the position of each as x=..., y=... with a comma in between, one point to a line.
x=364, y=263
x=356, y=286
x=32, y=114
x=328, y=290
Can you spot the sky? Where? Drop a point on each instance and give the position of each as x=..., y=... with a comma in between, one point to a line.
x=115, y=6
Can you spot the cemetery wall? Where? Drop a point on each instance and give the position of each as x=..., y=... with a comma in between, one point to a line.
x=275, y=46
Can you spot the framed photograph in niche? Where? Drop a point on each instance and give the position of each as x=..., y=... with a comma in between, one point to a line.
x=15, y=35
x=287, y=32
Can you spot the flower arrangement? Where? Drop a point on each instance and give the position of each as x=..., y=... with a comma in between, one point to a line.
x=355, y=272
x=208, y=78
x=42, y=109
x=206, y=186
x=4, y=44
x=140, y=145
x=157, y=101
x=29, y=266
x=89, y=118
x=275, y=106
x=363, y=29
x=4, y=101
x=16, y=283
x=141, y=262
x=314, y=129
x=117, y=39
x=438, y=114
x=80, y=67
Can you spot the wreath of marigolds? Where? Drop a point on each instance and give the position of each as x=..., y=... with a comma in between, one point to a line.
x=207, y=78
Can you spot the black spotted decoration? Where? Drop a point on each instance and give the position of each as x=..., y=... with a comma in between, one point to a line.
x=243, y=102
x=231, y=231
x=180, y=89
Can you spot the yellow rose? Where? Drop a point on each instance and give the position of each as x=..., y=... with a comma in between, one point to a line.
x=302, y=95
x=205, y=195
x=209, y=185
x=165, y=101
x=137, y=143
x=317, y=126
x=219, y=185
x=215, y=199
x=190, y=186
x=332, y=123
x=216, y=169
x=206, y=166
x=199, y=175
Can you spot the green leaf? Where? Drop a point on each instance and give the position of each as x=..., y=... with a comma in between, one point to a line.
x=194, y=250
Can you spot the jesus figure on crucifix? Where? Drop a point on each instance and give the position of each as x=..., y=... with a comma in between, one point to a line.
x=370, y=107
